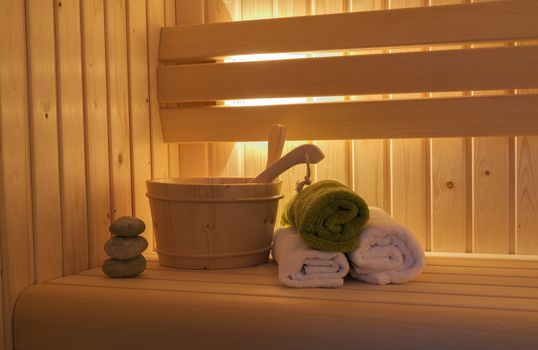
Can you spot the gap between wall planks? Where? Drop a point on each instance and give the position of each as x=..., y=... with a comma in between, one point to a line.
x=16, y=227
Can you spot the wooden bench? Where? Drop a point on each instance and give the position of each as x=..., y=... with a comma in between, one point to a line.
x=460, y=302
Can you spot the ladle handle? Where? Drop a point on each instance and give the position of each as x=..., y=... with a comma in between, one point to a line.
x=294, y=157
x=277, y=137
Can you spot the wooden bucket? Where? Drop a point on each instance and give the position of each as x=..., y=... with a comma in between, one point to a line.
x=213, y=223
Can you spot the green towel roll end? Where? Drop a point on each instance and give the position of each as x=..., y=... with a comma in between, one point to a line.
x=328, y=215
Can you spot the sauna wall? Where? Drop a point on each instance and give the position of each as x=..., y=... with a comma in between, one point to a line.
x=80, y=133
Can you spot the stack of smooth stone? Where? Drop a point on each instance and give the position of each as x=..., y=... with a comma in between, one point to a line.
x=125, y=248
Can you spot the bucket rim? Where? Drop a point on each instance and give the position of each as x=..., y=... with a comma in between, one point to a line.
x=191, y=181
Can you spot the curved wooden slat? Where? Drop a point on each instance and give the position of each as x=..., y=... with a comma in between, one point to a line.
x=495, y=21
x=443, y=117
x=452, y=70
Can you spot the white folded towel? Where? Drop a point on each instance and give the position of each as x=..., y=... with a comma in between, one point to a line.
x=388, y=252
x=300, y=266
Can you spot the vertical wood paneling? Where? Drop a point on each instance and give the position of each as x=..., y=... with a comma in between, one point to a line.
x=492, y=159
x=410, y=173
x=193, y=157
x=159, y=150
x=44, y=140
x=16, y=233
x=71, y=120
x=372, y=172
x=526, y=175
x=527, y=195
x=95, y=104
x=173, y=148
x=226, y=158
x=449, y=195
x=451, y=188
x=494, y=188
x=291, y=8
x=371, y=158
x=256, y=152
x=289, y=178
x=335, y=166
x=139, y=112
x=118, y=107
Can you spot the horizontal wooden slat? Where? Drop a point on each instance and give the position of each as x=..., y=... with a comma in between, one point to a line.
x=443, y=117
x=451, y=70
x=508, y=21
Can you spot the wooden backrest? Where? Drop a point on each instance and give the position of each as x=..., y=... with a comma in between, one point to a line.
x=192, y=71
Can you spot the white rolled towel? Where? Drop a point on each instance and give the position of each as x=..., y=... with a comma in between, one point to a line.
x=388, y=252
x=300, y=266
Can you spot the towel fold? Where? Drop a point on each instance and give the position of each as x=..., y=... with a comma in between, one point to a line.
x=300, y=266
x=328, y=215
x=388, y=252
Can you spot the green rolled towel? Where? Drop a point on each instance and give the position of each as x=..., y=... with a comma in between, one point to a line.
x=328, y=215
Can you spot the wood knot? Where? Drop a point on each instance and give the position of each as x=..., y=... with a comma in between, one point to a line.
x=450, y=185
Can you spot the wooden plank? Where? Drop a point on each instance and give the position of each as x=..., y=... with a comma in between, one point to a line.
x=452, y=70
x=71, y=119
x=190, y=12
x=118, y=108
x=224, y=158
x=451, y=189
x=159, y=150
x=371, y=158
x=139, y=112
x=372, y=172
x=491, y=195
x=170, y=14
x=16, y=228
x=419, y=26
x=348, y=294
x=232, y=316
x=527, y=187
x=95, y=108
x=293, y=8
x=255, y=157
x=445, y=117
x=336, y=165
x=193, y=158
x=411, y=171
x=449, y=195
x=410, y=195
x=44, y=141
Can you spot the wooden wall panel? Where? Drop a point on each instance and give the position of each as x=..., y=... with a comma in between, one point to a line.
x=95, y=104
x=255, y=157
x=139, y=112
x=44, y=140
x=71, y=126
x=193, y=157
x=410, y=172
x=173, y=148
x=527, y=195
x=228, y=158
x=118, y=107
x=336, y=165
x=451, y=181
x=371, y=158
x=159, y=150
x=16, y=227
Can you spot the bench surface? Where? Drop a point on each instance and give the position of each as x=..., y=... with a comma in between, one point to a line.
x=456, y=304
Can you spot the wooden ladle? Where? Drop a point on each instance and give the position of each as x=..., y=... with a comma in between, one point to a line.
x=299, y=155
